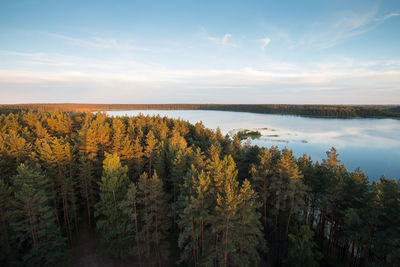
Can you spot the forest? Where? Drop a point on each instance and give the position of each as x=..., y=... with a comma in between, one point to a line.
x=157, y=191
x=320, y=111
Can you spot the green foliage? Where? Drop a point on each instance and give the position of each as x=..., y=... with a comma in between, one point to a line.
x=130, y=208
x=5, y=246
x=153, y=215
x=219, y=221
x=35, y=236
x=111, y=220
x=187, y=198
x=242, y=135
x=302, y=249
x=324, y=111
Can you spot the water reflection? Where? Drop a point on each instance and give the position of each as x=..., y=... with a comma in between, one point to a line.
x=372, y=144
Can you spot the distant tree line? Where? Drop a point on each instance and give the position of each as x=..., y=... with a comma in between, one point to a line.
x=162, y=191
x=322, y=111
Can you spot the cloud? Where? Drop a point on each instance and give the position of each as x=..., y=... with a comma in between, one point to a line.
x=333, y=31
x=129, y=81
x=388, y=16
x=265, y=42
x=226, y=38
x=94, y=42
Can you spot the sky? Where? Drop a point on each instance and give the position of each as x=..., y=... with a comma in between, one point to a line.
x=287, y=52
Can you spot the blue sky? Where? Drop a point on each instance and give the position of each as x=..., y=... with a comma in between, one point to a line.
x=312, y=52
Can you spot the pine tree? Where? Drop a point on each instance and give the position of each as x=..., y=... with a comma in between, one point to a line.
x=387, y=235
x=133, y=232
x=248, y=232
x=153, y=204
x=137, y=158
x=16, y=147
x=294, y=188
x=195, y=217
x=301, y=249
x=5, y=246
x=38, y=239
x=87, y=185
x=111, y=220
x=102, y=132
x=175, y=160
x=151, y=144
x=235, y=221
x=56, y=156
x=118, y=133
x=158, y=208
x=144, y=201
x=86, y=142
x=262, y=174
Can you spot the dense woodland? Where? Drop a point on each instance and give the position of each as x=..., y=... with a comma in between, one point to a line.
x=322, y=111
x=159, y=192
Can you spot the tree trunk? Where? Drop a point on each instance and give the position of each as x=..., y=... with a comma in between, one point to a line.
x=288, y=221
x=226, y=247
x=194, y=244
x=368, y=245
x=136, y=234
x=87, y=201
x=322, y=227
x=265, y=200
x=305, y=210
x=157, y=238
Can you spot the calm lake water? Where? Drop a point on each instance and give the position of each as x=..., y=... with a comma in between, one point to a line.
x=371, y=144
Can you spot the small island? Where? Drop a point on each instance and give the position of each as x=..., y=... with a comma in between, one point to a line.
x=242, y=135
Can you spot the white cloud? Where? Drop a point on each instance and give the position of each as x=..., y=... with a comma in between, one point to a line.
x=388, y=16
x=225, y=40
x=265, y=42
x=63, y=77
x=334, y=30
x=94, y=42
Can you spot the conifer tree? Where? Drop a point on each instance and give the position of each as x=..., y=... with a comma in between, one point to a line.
x=5, y=246
x=118, y=133
x=87, y=143
x=175, y=162
x=87, y=185
x=151, y=143
x=387, y=237
x=195, y=217
x=301, y=249
x=294, y=188
x=144, y=201
x=137, y=158
x=262, y=174
x=38, y=239
x=153, y=202
x=102, y=132
x=249, y=230
x=158, y=208
x=55, y=155
x=235, y=221
x=111, y=220
x=130, y=207
x=16, y=147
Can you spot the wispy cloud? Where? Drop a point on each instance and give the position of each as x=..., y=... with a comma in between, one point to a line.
x=131, y=80
x=333, y=31
x=94, y=42
x=388, y=16
x=265, y=42
x=225, y=40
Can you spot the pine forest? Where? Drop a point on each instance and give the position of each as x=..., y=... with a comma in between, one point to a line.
x=155, y=191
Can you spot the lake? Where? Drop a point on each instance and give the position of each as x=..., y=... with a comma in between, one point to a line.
x=371, y=144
